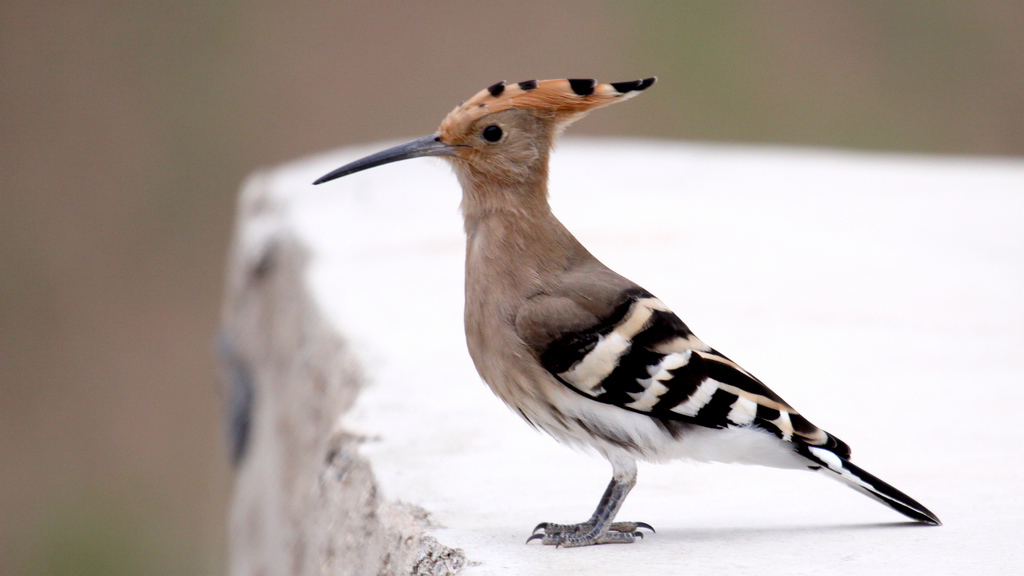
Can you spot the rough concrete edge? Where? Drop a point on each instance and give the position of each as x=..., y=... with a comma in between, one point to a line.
x=305, y=501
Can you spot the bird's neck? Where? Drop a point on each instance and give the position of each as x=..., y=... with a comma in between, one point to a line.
x=513, y=238
x=487, y=193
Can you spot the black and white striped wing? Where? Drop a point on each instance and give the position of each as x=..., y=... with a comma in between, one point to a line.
x=644, y=359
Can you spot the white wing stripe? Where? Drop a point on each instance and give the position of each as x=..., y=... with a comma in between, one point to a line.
x=588, y=374
x=698, y=399
x=743, y=411
x=646, y=400
x=660, y=371
x=784, y=425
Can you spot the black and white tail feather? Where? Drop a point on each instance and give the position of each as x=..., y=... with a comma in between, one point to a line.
x=643, y=359
x=864, y=482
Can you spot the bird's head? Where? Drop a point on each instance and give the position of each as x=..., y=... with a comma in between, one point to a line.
x=503, y=134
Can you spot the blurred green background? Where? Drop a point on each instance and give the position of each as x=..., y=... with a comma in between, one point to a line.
x=126, y=128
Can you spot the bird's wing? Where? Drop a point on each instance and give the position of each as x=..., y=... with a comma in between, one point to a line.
x=642, y=358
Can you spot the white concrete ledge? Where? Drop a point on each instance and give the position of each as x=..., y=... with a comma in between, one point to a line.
x=882, y=296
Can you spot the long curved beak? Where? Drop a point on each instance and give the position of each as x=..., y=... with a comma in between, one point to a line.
x=426, y=146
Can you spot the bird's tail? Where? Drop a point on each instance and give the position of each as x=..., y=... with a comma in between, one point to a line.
x=861, y=481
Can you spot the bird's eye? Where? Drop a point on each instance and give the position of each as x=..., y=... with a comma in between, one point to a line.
x=492, y=133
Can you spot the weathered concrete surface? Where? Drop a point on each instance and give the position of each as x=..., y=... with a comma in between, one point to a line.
x=879, y=294
x=305, y=502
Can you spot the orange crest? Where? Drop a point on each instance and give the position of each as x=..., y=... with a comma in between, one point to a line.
x=565, y=99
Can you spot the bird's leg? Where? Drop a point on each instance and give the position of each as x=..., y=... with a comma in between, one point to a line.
x=587, y=526
x=600, y=528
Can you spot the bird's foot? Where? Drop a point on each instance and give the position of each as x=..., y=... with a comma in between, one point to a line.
x=585, y=534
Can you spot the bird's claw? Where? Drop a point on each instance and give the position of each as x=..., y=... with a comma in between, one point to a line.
x=571, y=540
x=583, y=534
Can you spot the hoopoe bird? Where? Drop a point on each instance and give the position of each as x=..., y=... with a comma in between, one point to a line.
x=581, y=352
